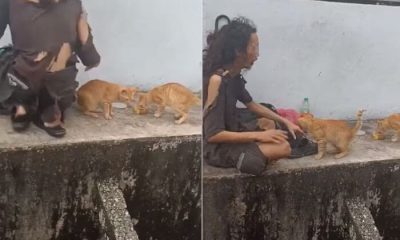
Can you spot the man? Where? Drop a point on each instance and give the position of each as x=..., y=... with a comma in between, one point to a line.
x=227, y=141
x=48, y=36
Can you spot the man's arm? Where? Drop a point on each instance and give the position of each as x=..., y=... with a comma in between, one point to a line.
x=233, y=137
x=87, y=51
x=262, y=111
x=267, y=113
x=4, y=16
x=214, y=119
x=268, y=136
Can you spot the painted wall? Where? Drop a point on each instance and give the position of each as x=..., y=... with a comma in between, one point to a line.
x=146, y=43
x=342, y=56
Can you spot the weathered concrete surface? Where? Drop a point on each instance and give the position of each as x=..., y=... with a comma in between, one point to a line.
x=48, y=185
x=117, y=221
x=81, y=128
x=304, y=198
x=362, y=224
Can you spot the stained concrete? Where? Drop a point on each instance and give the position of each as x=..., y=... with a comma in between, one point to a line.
x=362, y=224
x=48, y=186
x=117, y=223
x=305, y=198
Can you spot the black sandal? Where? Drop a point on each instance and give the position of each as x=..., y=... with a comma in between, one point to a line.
x=20, y=123
x=303, y=147
x=57, y=131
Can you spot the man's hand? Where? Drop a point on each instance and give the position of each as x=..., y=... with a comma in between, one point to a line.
x=293, y=128
x=272, y=136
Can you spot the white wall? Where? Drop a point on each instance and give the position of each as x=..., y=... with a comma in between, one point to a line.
x=342, y=56
x=146, y=43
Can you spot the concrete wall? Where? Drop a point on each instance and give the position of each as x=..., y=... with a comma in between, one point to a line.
x=342, y=56
x=146, y=42
x=48, y=192
x=301, y=204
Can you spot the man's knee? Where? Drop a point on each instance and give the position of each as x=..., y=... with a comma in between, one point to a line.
x=252, y=162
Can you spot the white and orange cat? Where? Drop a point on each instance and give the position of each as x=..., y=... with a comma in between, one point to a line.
x=173, y=95
x=99, y=93
x=336, y=132
x=390, y=123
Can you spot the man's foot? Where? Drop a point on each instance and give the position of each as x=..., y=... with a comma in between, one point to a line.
x=54, y=129
x=20, y=118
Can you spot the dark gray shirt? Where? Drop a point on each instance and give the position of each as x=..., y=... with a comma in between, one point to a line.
x=35, y=29
x=222, y=114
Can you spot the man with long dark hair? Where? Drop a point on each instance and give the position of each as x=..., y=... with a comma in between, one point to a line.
x=48, y=36
x=227, y=141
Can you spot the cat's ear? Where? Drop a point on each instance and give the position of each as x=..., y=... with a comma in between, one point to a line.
x=306, y=115
x=124, y=93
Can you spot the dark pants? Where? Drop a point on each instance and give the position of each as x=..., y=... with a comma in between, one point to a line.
x=54, y=96
x=246, y=157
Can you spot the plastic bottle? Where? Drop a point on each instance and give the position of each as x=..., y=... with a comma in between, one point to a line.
x=305, y=108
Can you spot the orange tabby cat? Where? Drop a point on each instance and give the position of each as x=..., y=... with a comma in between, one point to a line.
x=336, y=132
x=390, y=123
x=173, y=95
x=97, y=93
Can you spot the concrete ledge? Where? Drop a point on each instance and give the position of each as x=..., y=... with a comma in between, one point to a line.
x=48, y=185
x=81, y=129
x=304, y=198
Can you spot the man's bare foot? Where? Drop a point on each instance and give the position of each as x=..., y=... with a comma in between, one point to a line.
x=20, y=119
x=53, y=124
x=20, y=111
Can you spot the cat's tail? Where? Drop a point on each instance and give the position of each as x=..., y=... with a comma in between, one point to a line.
x=359, y=122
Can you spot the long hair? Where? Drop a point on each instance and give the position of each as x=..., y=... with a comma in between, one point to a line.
x=224, y=44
